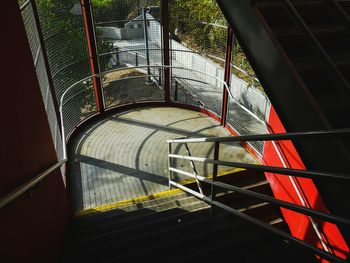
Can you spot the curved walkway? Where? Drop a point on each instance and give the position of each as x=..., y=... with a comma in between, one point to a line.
x=124, y=156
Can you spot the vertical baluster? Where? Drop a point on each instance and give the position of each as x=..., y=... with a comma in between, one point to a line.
x=215, y=174
x=169, y=165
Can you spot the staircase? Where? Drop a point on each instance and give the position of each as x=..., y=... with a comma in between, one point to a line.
x=179, y=228
x=325, y=23
x=309, y=91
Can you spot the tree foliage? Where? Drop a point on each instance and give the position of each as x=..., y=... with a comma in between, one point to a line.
x=198, y=24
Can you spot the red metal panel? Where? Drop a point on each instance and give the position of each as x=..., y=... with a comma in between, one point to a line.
x=283, y=188
x=227, y=74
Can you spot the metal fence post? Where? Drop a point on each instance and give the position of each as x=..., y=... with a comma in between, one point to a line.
x=227, y=76
x=93, y=53
x=46, y=62
x=166, y=51
x=145, y=34
x=215, y=174
x=176, y=91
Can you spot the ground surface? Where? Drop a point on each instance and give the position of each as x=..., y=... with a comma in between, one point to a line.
x=125, y=155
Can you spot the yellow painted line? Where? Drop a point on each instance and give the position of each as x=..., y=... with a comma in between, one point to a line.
x=128, y=202
x=223, y=173
x=140, y=199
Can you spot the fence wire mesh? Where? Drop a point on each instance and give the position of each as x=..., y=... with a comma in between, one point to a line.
x=128, y=33
x=78, y=104
x=131, y=86
x=65, y=41
x=198, y=43
x=39, y=63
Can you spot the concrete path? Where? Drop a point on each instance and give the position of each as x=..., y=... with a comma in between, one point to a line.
x=125, y=155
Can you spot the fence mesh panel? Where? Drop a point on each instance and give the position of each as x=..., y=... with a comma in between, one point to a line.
x=78, y=104
x=122, y=31
x=38, y=58
x=65, y=40
x=198, y=43
x=130, y=86
x=129, y=34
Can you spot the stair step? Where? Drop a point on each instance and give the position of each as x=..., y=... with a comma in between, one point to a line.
x=128, y=227
x=314, y=12
x=168, y=208
x=332, y=37
x=180, y=243
x=135, y=208
x=156, y=232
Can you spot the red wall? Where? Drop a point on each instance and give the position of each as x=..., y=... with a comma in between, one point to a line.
x=283, y=189
x=32, y=226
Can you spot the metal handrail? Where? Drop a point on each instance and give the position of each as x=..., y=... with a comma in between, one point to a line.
x=328, y=134
x=271, y=169
x=341, y=12
x=291, y=206
x=325, y=253
x=29, y=185
x=24, y=5
x=138, y=67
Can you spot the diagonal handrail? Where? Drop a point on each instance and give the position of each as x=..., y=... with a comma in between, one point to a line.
x=304, y=209
x=7, y=199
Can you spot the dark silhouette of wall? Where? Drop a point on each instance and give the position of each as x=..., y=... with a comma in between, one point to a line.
x=32, y=227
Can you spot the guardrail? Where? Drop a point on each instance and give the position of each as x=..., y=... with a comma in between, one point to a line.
x=278, y=170
x=7, y=199
x=74, y=93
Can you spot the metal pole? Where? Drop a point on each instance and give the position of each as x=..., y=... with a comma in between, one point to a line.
x=215, y=174
x=93, y=53
x=227, y=77
x=145, y=33
x=166, y=51
x=169, y=165
x=176, y=91
x=194, y=169
x=46, y=62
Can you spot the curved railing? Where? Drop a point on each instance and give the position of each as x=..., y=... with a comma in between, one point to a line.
x=113, y=80
x=77, y=103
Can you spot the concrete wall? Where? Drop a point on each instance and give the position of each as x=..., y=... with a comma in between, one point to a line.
x=133, y=30
x=110, y=32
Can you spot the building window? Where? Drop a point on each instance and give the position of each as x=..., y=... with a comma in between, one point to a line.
x=139, y=25
x=131, y=26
